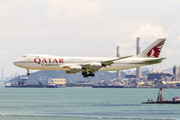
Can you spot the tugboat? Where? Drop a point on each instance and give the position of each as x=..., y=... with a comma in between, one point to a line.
x=161, y=100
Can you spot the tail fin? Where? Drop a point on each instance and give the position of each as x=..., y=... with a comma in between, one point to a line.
x=154, y=49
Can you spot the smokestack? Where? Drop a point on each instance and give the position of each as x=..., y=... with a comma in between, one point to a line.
x=138, y=69
x=118, y=48
x=2, y=75
x=118, y=72
x=179, y=74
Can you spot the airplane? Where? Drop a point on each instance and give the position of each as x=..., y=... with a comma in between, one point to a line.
x=89, y=65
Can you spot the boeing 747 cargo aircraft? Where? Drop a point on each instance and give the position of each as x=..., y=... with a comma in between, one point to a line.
x=89, y=65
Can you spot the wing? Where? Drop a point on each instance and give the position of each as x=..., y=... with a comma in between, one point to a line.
x=89, y=67
x=111, y=61
x=103, y=63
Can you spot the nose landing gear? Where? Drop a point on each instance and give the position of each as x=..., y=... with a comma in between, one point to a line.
x=28, y=72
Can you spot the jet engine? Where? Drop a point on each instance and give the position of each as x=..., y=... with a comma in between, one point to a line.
x=95, y=66
x=74, y=69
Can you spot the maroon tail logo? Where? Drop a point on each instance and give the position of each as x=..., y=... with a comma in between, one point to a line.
x=155, y=51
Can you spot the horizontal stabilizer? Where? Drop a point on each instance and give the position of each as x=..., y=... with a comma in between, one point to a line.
x=154, y=61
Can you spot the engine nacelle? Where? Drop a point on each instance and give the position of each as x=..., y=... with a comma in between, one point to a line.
x=95, y=66
x=75, y=69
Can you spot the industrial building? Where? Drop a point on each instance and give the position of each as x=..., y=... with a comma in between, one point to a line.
x=160, y=75
x=130, y=75
x=176, y=72
x=58, y=81
x=167, y=79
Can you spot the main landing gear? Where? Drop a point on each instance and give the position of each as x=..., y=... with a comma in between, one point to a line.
x=28, y=72
x=85, y=74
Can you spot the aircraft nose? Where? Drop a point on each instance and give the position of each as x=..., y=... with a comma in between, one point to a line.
x=17, y=62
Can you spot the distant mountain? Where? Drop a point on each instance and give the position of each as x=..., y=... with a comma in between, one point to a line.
x=134, y=69
x=47, y=74
x=148, y=69
x=145, y=69
x=169, y=69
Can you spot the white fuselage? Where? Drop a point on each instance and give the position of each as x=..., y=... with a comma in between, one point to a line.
x=49, y=62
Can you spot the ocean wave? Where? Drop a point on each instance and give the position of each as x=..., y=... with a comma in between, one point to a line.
x=27, y=117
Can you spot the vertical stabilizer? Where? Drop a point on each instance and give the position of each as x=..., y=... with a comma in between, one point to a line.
x=154, y=49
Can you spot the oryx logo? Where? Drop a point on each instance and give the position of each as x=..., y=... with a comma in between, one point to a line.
x=155, y=51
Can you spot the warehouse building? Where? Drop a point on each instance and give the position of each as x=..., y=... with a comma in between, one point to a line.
x=58, y=81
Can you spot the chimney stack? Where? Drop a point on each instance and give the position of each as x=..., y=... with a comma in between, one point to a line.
x=118, y=72
x=138, y=69
x=2, y=75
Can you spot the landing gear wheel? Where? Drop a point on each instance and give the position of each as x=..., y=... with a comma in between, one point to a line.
x=85, y=74
x=91, y=74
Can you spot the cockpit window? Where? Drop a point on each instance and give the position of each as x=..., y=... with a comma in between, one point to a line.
x=23, y=56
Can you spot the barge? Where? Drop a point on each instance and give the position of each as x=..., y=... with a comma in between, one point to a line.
x=161, y=100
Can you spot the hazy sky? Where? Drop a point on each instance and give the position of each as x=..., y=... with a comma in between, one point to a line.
x=86, y=28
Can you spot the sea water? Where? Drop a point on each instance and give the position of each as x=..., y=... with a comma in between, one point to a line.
x=85, y=104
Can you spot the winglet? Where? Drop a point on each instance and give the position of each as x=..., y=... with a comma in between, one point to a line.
x=154, y=50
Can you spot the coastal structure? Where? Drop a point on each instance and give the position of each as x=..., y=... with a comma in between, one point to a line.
x=58, y=81
x=22, y=82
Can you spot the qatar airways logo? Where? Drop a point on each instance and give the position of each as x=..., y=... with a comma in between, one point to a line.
x=155, y=51
x=48, y=60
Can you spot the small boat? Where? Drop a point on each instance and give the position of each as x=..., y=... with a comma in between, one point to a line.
x=161, y=100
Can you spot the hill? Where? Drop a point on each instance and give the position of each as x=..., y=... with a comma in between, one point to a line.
x=48, y=74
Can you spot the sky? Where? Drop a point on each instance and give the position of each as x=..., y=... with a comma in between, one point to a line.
x=86, y=28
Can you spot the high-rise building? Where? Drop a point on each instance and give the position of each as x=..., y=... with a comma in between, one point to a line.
x=176, y=72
